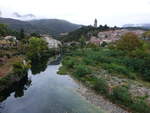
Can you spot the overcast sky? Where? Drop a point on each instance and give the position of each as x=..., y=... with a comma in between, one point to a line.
x=111, y=12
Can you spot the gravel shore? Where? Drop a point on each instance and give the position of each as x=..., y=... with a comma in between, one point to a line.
x=99, y=100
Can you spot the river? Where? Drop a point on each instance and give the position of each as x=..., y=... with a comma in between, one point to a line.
x=46, y=92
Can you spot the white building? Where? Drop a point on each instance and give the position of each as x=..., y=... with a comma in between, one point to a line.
x=52, y=43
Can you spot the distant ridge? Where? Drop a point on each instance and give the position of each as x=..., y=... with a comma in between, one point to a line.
x=42, y=26
x=145, y=26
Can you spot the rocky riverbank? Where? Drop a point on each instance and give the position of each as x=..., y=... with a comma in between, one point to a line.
x=99, y=100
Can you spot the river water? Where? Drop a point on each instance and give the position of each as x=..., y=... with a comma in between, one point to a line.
x=46, y=92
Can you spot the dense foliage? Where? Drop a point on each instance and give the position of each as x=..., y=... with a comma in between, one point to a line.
x=4, y=31
x=129, y=42
x=146, y=35
x=36, y=48
x=129, y=58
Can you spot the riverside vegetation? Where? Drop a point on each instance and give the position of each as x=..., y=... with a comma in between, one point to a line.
x=28, y=53
x=128, y=58
x=19, y=59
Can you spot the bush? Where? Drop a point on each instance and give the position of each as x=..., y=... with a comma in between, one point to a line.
x=81, y=70
x=101, y=86
x=112, y=53
x=62, y=70
x=140, y=106
x=121, y=95
x=69, y=62
x=103, y=44
x=115, y=68
x=18, y=67
x=88, y=61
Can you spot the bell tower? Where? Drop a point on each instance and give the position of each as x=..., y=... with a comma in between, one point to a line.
x=95, y=23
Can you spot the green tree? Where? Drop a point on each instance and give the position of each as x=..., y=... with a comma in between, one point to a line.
x=82, y=41
x=146, y=35
x=3, y=29
x=37, y=48
x=22, y=35
x=35, y=34
x=129, y=42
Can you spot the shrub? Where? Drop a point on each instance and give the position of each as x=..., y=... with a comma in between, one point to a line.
x=18, y=67
x=140, y=106
x=121, y=95
x=103, y=44
x=101, y=86
x=69, y=62
x=62, y=70
x=112, y=53
x=146, y=75
x=81, y=70
x=116, y=68
x=88, y=61
x=77, y=53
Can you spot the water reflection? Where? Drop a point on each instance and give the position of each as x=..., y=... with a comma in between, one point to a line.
x=18, y=88
x=49, y=93
x=39, y=65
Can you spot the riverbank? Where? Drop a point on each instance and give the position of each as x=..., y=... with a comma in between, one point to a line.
x=99, y=70
x=17, y=70
x=99, y=100
x=93, y=97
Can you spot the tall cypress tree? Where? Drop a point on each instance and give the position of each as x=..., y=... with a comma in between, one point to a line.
x=22, y=35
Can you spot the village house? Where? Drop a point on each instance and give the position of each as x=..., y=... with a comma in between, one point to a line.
x=112, y=36
x=52, y=43
x=8, y=42
x=95, y=40
x=10, y=38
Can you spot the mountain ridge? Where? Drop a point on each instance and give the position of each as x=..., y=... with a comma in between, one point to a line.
x=42, y=26
x=144, y=25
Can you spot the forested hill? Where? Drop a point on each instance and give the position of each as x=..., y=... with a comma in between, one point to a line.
x=43, y=26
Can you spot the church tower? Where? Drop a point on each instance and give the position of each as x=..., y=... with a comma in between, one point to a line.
x=95, y=23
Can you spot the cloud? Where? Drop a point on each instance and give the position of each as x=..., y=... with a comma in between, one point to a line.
x=17, y=15
x=23, y=17
x=29, y=15
x=111, y=12
x=20, y=16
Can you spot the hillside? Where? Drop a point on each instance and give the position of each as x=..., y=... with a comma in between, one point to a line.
x=86, y=31
x=53, y=25
x=43, y=26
